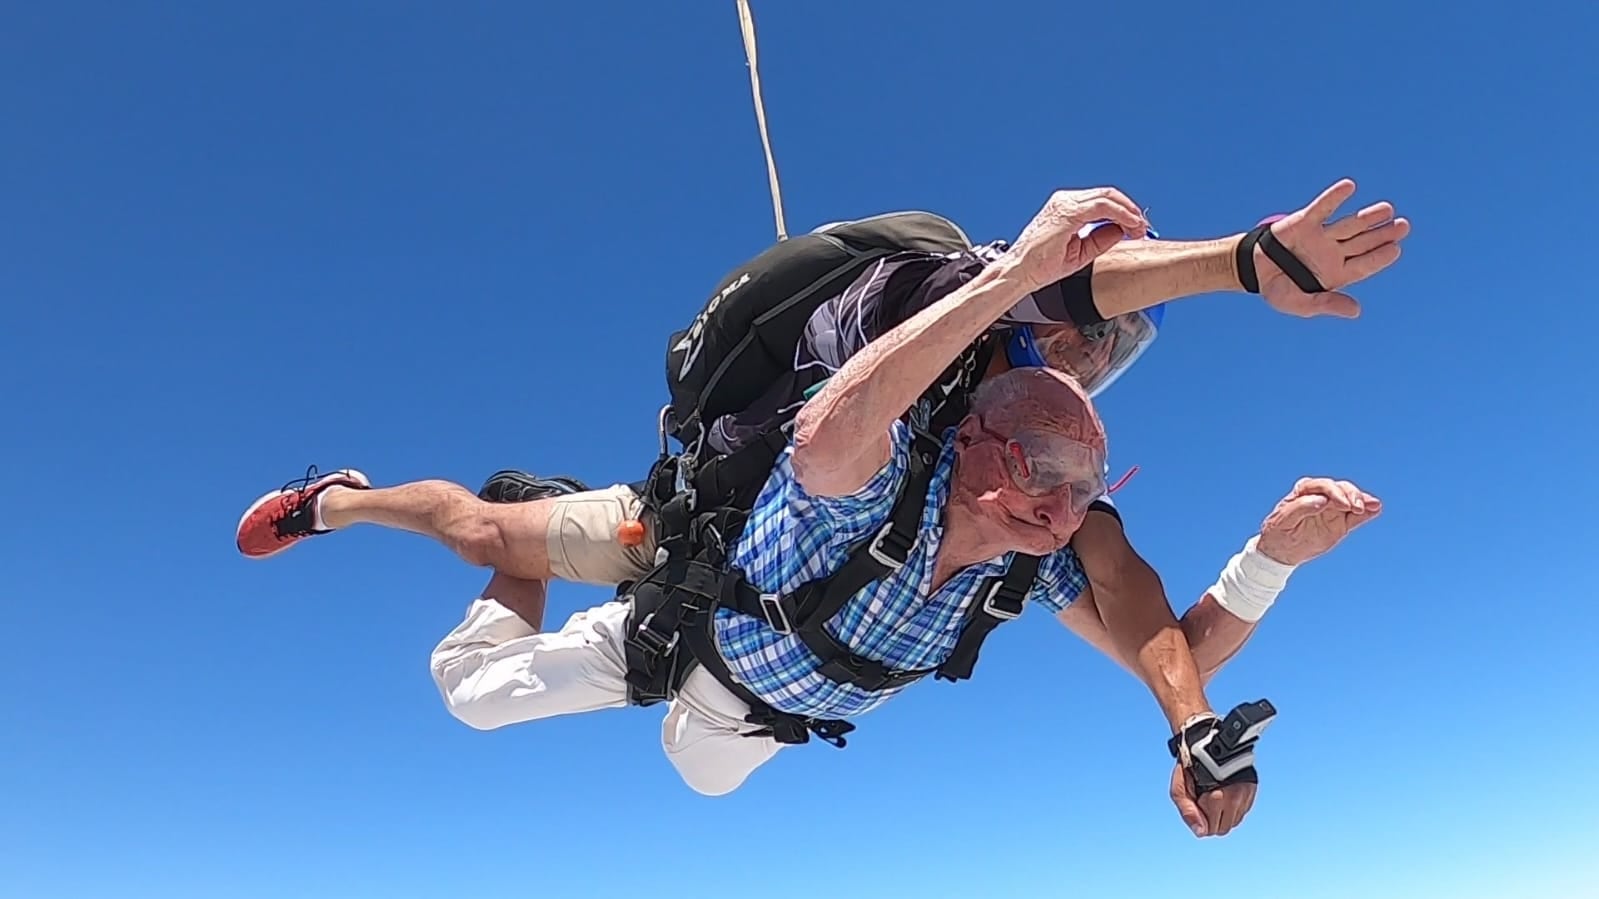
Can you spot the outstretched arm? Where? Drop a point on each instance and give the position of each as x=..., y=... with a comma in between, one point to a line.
x=1312, y=519
x=1138, y=274
x=841, y=433
x=1214, y=635
x=1136, y=625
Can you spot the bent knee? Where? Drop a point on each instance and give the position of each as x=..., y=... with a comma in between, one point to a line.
x=712, y=785
x=471, y=712
x=460, y=699
x=478, y=539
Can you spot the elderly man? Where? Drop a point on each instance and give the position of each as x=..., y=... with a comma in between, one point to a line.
x=1014, y=479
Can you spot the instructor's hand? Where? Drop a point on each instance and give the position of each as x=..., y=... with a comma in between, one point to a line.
x=1338, y=253
x=1315, y=517
x=1054, y=244
x=1217, y=812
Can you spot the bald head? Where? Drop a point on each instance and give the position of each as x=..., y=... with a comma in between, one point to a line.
x=1042, y=399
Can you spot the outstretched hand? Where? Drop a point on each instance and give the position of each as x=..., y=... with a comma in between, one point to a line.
x=1058, y=241
x=1214, y=814
x=1338, y=253
x=1315, y=517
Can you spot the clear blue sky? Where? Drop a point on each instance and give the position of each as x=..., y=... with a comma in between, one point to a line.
x=433, y=242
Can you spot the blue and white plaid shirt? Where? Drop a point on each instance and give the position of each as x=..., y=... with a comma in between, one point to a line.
x=793, y=538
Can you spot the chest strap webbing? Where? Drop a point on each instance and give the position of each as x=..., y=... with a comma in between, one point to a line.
x=670, y=632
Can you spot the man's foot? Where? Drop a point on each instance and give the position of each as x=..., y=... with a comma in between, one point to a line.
x=284, y=517
x=512, y=486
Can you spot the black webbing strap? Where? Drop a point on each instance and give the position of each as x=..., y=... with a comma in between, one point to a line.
x=720, y=479
x=812, y=605
x=1296, y=271
x=670, y=632
x=698, y=638
x=842, y=666
x=806, y=612
x=673, y=508
x=882, y=555
x=951, y=405
x=1002, y=602
x=661, y=598
x=838, y=662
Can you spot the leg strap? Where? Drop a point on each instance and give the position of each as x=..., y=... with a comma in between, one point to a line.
x=788, y=729
x=670, y=631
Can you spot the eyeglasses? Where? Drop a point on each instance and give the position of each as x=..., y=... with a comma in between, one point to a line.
x=1042, y=462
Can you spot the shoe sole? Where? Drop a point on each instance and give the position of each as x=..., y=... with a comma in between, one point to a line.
x=350, y=473
x=541, y=488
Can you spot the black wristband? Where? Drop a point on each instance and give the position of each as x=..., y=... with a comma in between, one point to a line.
x=1297, y=272
x=1077, y=297
x=1244, y=259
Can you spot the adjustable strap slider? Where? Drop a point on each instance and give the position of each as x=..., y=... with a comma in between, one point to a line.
x=778, y=610
x=785, y=729
x=847, y=668
x=1003, y=604
x=832, y=731
x=648, y=640
x=888, y=548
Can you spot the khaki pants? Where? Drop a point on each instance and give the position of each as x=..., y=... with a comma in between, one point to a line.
x=494, y=670
x=582, y=541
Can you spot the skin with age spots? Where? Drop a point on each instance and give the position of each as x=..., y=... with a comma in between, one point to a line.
x=1047, y=399
x=989, y=513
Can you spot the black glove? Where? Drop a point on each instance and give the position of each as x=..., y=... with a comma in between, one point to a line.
x=1221, y=752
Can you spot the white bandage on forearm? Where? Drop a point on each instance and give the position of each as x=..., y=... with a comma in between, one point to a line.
x=1250, y=583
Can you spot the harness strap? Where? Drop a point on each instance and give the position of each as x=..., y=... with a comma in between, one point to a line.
x=1003, y=601
x=968, y=369
x=839, y=663
x=655, y=667
x=806, y=613
x=880, y=556
x=698, y=631
x=719, y=479
x=671, y=630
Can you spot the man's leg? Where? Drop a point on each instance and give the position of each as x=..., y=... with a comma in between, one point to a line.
x=704, y=737
x=496, y=669
x=523, y=598
x=578, y=537
x=508, y=538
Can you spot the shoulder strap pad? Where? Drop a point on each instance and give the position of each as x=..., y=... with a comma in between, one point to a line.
x=1002, y=601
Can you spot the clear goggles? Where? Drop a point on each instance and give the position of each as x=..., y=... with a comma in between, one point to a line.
x=1095, y=355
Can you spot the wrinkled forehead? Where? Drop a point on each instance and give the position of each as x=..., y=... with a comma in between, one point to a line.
x=1057, y=404
x=1068, y=452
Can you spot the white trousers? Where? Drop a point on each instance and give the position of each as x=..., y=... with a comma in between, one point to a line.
x=494, y=670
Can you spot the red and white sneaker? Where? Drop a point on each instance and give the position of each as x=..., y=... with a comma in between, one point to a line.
x=284, y=517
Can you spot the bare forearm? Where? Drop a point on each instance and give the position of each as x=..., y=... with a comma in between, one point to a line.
x=1214, y=635
x=1167, y=665
x=1138, y=274
x=879, y=383
x=1144, y=631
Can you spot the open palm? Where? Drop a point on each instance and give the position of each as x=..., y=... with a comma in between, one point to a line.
x=1339, y=253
